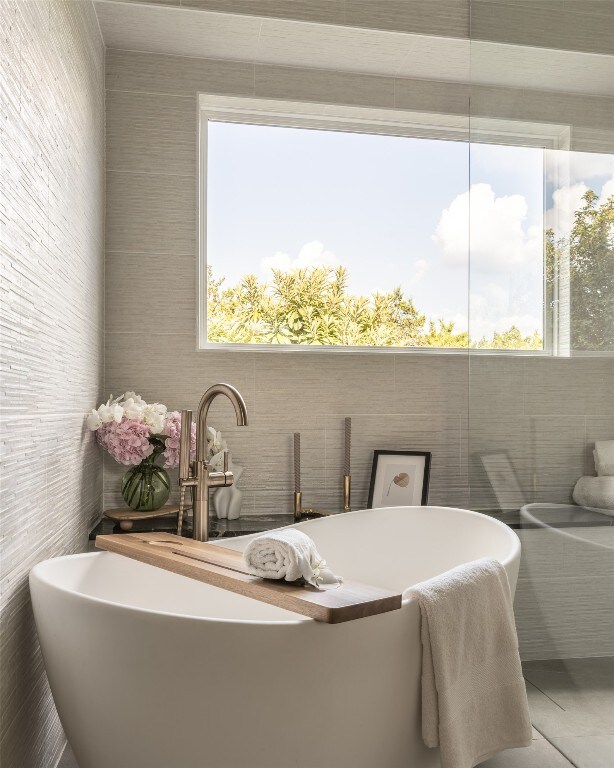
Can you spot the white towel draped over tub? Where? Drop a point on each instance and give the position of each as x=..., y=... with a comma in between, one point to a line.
x=288, y=554
x=474, y=701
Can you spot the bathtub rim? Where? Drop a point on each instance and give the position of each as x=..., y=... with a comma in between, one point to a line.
x=37, y=575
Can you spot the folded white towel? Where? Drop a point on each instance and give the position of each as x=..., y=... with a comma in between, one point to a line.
x=596, y=493
x=474, y=700
x=288, y=554
x=604, y=457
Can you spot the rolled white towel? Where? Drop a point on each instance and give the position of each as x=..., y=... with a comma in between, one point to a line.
x=596, y=493
x=604, y=457
x=288, y=554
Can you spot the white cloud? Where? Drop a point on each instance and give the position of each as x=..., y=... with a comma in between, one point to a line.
x=488, y=227
x=459, y=319
x=566, y=201
x=494, y=309
x=311, y=255
x=607, y=190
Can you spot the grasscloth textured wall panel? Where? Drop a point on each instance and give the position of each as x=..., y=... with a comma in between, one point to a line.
x=51, y=330
x=546, y=413
x=444, y=17
x=563, y=600
x=523, y=405
x=151, y=231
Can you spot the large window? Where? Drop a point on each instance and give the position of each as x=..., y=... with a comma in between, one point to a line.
x=354, y=232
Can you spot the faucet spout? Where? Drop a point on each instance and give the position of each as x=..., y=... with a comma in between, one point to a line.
x=201, y=479
x=203, y=410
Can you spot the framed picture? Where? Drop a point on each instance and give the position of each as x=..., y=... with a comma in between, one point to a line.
x=503, y=480
x=399, y=478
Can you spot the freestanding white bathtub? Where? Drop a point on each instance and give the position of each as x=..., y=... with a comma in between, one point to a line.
x=153, y=670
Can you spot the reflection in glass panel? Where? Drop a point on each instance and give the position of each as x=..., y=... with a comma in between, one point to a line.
x=580, y=249
x=541, y=425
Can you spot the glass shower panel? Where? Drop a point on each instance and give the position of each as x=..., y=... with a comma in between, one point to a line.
x=541, y=327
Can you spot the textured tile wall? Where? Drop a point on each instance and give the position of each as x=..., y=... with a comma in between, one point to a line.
x=537, y=409
x=575, y=25
x=546, y=413
x=445, y=17
x=396, y=402
x=563, y=600
x=51, y=330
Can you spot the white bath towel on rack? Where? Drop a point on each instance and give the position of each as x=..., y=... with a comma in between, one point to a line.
x=474, y=701
x=604, y=457
x=595, y=493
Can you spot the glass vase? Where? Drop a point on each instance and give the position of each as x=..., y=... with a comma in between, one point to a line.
x=146, y=487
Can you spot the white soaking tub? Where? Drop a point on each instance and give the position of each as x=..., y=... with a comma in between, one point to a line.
x=154, y=670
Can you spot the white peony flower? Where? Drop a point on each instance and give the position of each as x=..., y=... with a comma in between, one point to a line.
x=216, y=461
x=154, y=415
x=93, y=421
x=137, y=399
x=215, y=442
x=133, y=409
x=216, y=445
x=110, y=411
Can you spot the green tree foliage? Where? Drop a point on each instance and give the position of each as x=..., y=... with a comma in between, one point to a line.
x=312, y=306
x=590, y=249
x=511, y=339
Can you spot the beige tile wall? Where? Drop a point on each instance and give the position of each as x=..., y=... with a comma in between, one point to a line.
x=51, y=330
x=546, y=413
x=575, y=25
x=445, y=17
x=396, y=401
x=563, y=600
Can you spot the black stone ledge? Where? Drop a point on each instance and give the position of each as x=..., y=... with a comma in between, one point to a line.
x=535, y=516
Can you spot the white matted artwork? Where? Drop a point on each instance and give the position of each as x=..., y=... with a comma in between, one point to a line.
x=399, y=478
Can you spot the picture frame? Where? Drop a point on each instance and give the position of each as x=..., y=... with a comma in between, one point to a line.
x=503, y=480
x=399, y=478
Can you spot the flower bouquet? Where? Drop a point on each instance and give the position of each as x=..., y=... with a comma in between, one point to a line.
x=136, y=433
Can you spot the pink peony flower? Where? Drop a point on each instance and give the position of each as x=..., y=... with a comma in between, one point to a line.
x=127, y=441
x=172, y=428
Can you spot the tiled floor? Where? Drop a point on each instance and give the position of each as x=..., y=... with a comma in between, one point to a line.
x=572, y=705
x=540, y=754
x=572, y=708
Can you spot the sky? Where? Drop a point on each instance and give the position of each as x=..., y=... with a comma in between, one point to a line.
x=458, y=226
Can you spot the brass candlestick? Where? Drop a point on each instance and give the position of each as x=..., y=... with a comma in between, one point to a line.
x=298, y=510
x=298, y=505
x=346, y=493
x=346, y=468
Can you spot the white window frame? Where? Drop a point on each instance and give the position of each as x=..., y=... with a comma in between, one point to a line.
x=389, y=122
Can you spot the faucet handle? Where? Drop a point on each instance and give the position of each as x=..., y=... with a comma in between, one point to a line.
x=185, y=444
x=223, y=476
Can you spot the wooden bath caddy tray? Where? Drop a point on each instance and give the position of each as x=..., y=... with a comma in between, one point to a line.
x=226, y=568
